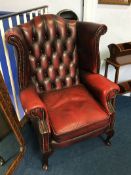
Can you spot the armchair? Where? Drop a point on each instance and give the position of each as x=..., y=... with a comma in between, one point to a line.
x=60, y=87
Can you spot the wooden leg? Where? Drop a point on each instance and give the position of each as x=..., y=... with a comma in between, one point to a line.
x=106, y=69
x=109, y=136
x=45, y=162
x=46, y=156
x=2, y=161
x=117, y=74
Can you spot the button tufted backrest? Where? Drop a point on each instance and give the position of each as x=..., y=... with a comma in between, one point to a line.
x=52, y=53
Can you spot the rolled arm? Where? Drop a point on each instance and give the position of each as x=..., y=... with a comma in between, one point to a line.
x=102, y=89
x=33, y=105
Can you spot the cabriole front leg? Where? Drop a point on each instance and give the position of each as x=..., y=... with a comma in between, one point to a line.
x=45, y=161
x=109, y=136
x=40, y=120
x=2, y=161
x=111, y=105
x=45, y=143
x=47, y=151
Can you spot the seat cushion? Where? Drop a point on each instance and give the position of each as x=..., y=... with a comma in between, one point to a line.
x=73, y=112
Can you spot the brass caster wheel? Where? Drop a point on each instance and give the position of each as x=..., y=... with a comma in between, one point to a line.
x=45, y=167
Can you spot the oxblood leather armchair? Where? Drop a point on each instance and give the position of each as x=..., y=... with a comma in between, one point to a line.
x=60, y=88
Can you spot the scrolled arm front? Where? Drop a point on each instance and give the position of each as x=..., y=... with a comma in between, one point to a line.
x=102, y=89
x=35, y=108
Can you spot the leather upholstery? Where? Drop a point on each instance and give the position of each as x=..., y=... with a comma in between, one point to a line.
x=101, y=88
x=52, y=53
x=88, y=36
x=33, y=105
x=52, y=50
x=60, y=89
x=70, y=110
x=28, y=105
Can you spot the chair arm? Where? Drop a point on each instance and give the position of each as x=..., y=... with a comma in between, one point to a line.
x=33, y=105
x=102, y=89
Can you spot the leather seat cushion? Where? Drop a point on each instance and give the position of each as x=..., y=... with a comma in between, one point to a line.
x=73, y=112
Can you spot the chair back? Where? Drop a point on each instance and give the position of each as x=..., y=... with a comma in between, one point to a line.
x=49, y=52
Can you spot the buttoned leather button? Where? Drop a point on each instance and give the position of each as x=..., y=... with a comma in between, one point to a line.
x=51, y=54
x=49, y=62
x=45, y=74
x=38, y=64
